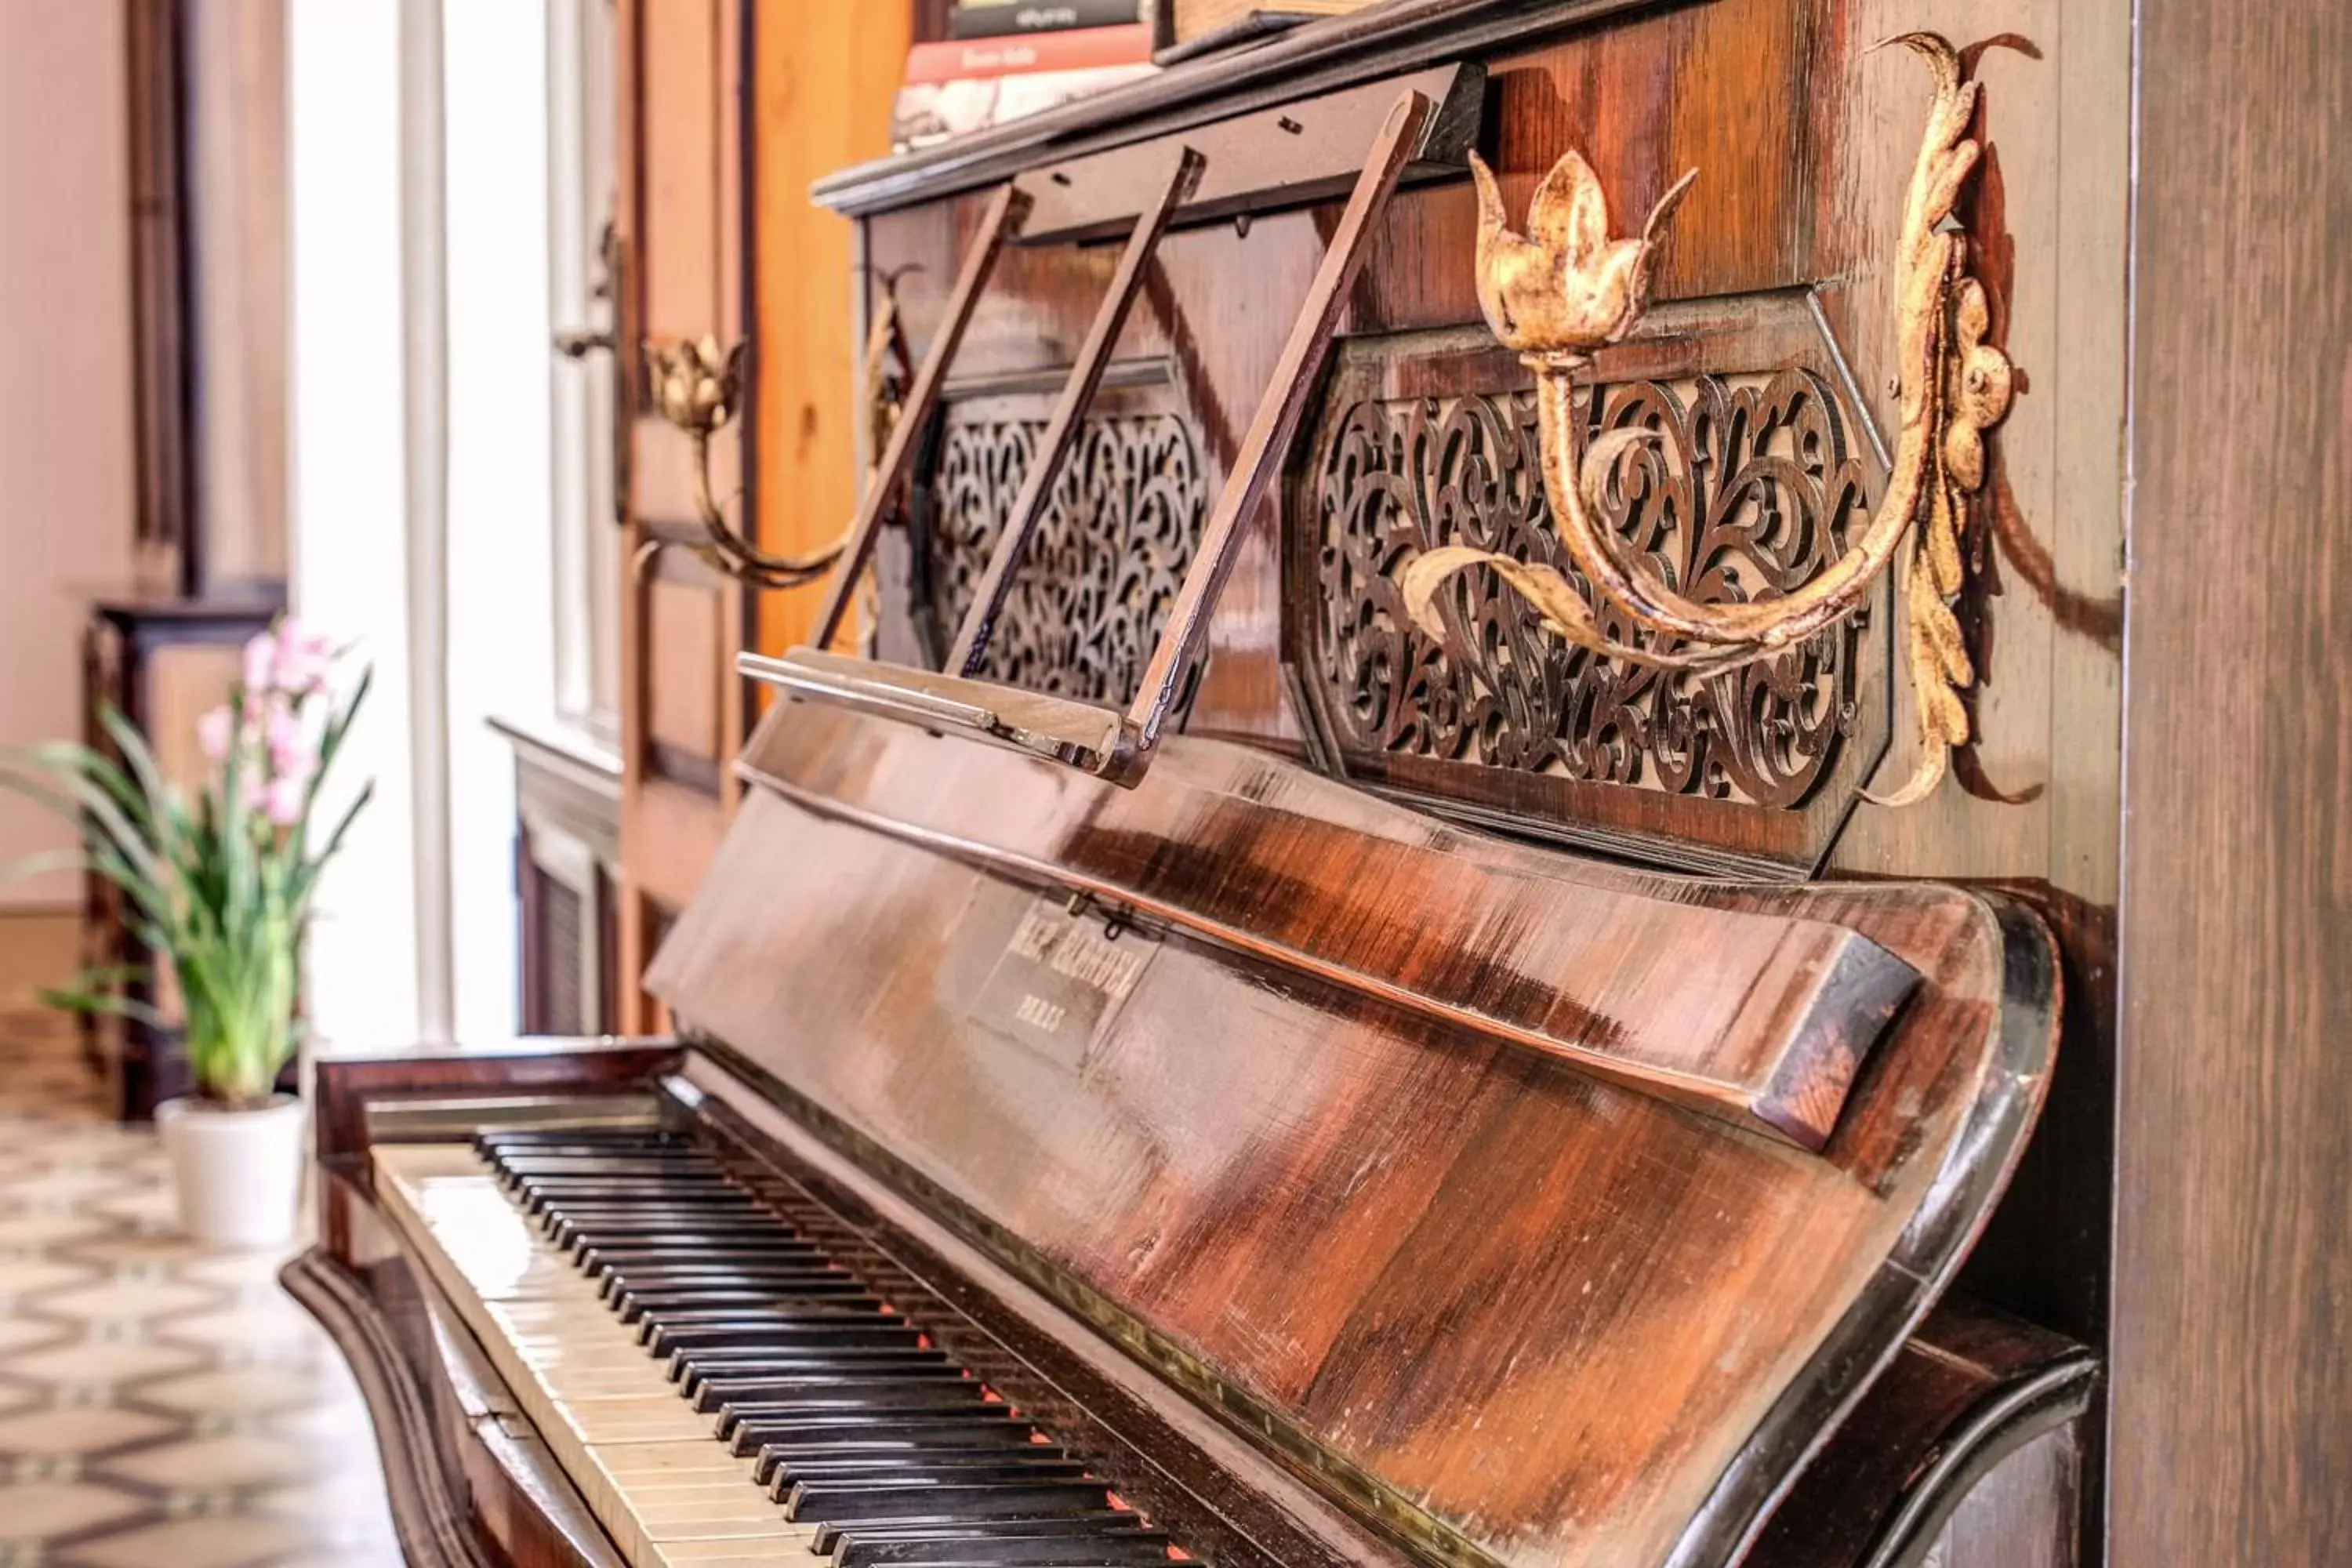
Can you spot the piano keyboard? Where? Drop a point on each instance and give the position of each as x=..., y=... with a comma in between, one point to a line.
x=720, y=1391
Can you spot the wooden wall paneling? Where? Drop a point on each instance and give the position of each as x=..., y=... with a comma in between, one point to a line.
x=686, y=622
x=183, y=683
x=159, y=304
x=822, y=80
x=680, y=172
x=2233, y=1370
x=681, y=65
x=236, y=151
x=628, y=393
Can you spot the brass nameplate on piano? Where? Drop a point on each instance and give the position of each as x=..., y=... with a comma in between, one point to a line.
x=1063, y=979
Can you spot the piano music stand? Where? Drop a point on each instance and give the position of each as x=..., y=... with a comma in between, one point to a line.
x=1114, y=745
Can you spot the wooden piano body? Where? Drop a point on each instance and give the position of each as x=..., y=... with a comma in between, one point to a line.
x=1346, y=1186
x=1480, y=1105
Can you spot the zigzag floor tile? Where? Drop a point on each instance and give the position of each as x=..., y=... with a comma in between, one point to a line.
x=161, y=1405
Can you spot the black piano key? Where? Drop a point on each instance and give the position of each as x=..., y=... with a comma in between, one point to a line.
x=854, y=1460
x=668, y=1337
x=765, y=1420
x=781, y=1428
x=814, y=1314
x=635, y=1306
x=733, y=1273
x=598, y=1256
x=587, y=1137
x=830, y=1536
x=1105, y=1547
x=850, y=1502
x=598, y=1261
x=689, y=1368
x=687, y=1182
x=722, y=1287
x=740, y=1274
x=572, y=1228
x=975, y=1467
x=663, y=1214
x=947, y=1436
x=1111, y=1522
x=864, y=1387
x=713, y=1250
x=618, y=1179
x=505, y=1153
x=535, y=1199
x=668, y=1211
x=592, y=1180
x=519, y=1169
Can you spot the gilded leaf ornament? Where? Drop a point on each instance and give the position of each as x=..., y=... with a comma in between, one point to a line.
x=1563, y=289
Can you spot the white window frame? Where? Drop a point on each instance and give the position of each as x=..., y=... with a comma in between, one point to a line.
x=582, y=188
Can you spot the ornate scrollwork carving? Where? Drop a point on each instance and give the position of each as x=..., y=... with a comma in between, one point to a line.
x=1564, y=289
x=1749, y=487
x=1089, y=601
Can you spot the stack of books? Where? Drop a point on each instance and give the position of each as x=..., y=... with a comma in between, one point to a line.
x=1005, y=58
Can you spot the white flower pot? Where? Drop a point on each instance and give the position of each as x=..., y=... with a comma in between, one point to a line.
x=238, y=1174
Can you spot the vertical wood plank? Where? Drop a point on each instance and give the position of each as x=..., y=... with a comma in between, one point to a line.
x=680, y=89
x=632, y=1010
x=823, y=77
x=2232, y=1380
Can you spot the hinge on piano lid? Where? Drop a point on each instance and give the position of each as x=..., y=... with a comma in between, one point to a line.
x=1202, y=174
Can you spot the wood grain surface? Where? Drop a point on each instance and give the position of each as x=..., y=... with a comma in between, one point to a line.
x=2233, y=1279
x=1364, y=1220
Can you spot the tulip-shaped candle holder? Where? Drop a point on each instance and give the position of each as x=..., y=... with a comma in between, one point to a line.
x=698, y=387
x=1563, y=289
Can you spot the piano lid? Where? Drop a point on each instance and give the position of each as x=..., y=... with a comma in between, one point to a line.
x=1544, y=1212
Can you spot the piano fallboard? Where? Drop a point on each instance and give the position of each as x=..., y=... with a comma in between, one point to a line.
x=1406, y=1151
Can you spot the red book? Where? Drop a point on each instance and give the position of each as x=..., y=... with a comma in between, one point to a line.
x=1080, y=49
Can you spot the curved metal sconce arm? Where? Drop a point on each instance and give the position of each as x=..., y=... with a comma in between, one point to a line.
x=699, y=388
x=1564, y=289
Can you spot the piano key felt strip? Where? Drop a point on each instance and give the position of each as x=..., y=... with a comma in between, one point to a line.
x=720, y=1389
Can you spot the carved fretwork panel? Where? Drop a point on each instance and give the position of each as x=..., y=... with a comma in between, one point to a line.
x=1760, y=469
x=1090, y=600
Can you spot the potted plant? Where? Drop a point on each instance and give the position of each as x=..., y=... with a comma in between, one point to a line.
x=219, y=888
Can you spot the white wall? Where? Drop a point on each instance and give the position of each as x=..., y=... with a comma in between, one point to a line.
x=349, y=553
x=358, y=521
x=66, y=477
x=500, y=545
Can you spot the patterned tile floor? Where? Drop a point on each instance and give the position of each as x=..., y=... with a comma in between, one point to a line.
x=161, y=1405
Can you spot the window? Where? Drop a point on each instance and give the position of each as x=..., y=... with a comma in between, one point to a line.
x=582, y=124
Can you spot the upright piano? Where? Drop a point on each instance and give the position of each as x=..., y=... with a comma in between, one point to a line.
x=1223, y=1031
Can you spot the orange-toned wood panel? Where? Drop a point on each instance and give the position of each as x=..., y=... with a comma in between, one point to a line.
x=822, y=80
x=1336, y=1206
x=684, y=673
x=679, y=68
x=183, y=683
x=682, y=169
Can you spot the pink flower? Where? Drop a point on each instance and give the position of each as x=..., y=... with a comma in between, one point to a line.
x=291, y=754
x=281, y=798
x=260, y=666
x=213, y=732
x=300, y=665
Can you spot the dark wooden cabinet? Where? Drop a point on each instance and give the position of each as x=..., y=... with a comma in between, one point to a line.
x=207, y=106
x=567, y=872
x=164, y=663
